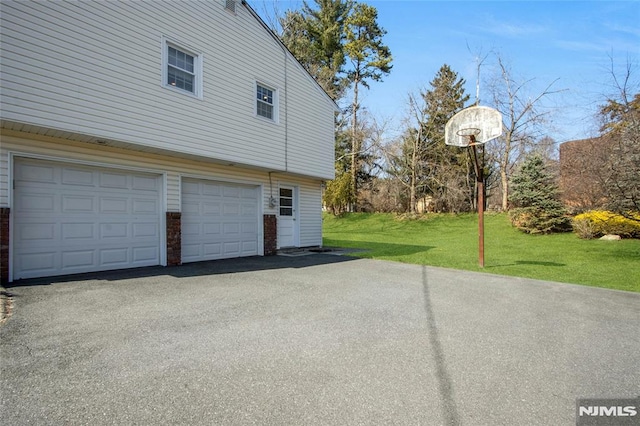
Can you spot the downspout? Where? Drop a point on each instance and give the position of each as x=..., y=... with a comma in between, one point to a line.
x=286, y=112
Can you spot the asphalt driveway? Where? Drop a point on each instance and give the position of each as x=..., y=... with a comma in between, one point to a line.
x=316, y=339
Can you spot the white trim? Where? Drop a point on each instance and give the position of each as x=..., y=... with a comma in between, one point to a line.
x=198, y=67
x=35, y=156
x=276, y=101
x=296, y=211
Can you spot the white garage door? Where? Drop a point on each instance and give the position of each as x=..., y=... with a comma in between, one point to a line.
x=70, y=218
x=219, y=220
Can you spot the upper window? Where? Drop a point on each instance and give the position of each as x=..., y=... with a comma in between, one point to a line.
x=182, y=69
x=265, y=102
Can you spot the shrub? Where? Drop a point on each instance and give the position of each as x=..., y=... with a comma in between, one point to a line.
x=596, y=223
x=535, y=220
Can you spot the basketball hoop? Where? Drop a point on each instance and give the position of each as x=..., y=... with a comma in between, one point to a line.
x=473, y=126
x=470, y=134
x=483, y=123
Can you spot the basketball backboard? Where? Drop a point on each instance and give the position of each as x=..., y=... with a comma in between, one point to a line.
x=481, y=122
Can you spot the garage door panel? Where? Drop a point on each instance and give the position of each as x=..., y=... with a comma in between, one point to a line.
x=114, y=257
x=141, y=230
x=211, y=209
x=210, y=189
x=249, y=210
x=78, y=204
x=78, y=231
x=231, y=229
x=78, y=258
x=249, y=228
x=145, y=183
x=211, y=229
x=249, y=246
x=232, y=248
x=113, y=180
x=78, y=177
x=190, y=229
x=42, y=202
x=231, y=208
x=188, y=187
x=39, y=173
x=231, y=191
x=224, y=224
x=118, y=205
x=212, y=249
x=35, y=231
x=144, y=254
x=39, y=263
x=114, y=230
x=86, y=219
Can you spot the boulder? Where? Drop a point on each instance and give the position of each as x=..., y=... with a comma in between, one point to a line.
x=610, y=237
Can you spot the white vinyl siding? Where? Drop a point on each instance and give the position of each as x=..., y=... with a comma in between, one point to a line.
x=310, y=213
x=92, y=68
x=173, y=168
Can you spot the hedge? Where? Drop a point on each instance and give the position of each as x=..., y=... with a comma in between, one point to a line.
x=596, y=223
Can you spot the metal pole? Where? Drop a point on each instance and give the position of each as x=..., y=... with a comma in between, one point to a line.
x=480, y=184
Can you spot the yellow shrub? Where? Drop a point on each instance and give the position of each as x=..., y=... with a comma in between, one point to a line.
x=596, y=223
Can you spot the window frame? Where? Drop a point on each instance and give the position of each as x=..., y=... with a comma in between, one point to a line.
x=274, y=104
x=198, y=60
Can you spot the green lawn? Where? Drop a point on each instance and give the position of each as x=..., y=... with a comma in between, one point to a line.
x=452, y=241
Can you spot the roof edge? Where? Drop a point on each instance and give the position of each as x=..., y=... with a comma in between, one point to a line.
x=279, y=41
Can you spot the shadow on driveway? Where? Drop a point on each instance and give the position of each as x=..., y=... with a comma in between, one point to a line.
x=211, y=267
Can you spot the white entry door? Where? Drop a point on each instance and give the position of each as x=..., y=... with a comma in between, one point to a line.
x=288, y=217
x=219, y=220
x=71, y=218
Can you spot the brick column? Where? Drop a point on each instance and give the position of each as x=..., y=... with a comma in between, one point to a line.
x=174, y=238
x=270, y=235
x=4, y=245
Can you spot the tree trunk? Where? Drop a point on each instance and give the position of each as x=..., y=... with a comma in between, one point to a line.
x=354, y=147
x=412, y=193
x=504, y=165
x=414, y=172
x=505, y=188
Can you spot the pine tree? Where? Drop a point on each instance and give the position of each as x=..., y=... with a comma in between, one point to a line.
x=369, y=60
x=534, y=196
x=447, y=168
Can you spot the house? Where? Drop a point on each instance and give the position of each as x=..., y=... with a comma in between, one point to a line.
x=154, y=133
x=582, y=166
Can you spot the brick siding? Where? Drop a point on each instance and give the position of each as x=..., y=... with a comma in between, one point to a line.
x=174, y=238
x=270, y=235
x=4, y=245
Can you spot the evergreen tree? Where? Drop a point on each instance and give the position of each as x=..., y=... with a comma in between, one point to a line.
x=370, y=59
x=447, y=168
x=534, y=196
x=316, y=37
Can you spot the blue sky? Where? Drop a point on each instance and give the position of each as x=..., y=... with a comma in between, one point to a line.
x=572, y=42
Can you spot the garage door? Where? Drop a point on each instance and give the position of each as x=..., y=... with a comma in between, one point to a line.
x=70, y=218
x=219, y=220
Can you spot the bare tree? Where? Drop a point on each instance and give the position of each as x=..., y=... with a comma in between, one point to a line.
x=404, y=156
x=522, y=119
x=621, y=125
